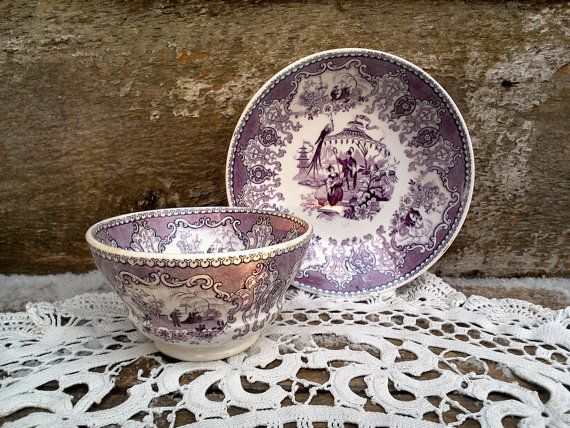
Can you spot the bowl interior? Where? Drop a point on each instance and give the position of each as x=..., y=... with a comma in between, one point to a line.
x=181, y=231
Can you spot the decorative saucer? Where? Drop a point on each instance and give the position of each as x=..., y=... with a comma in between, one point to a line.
x=372, y=151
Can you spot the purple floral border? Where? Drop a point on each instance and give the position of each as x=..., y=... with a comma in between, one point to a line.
x=277, y=88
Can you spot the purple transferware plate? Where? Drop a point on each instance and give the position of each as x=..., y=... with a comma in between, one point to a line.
x=372, y=151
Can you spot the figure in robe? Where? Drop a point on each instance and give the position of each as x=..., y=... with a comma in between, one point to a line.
x=335, y=93
x=349, y=170
x=175, y=316
x=334, y=187
x=412, y=221
x=193, y=318
x=316, y=160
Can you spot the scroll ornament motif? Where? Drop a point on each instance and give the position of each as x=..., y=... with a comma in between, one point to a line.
x=199, y=309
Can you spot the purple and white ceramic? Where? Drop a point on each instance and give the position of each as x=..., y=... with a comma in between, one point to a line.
x=372, y=151
x=202, y=283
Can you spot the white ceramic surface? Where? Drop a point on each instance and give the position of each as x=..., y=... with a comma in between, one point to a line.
x=202, y=283
x=372, y=151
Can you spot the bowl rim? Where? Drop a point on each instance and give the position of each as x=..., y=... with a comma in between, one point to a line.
x=270, y=250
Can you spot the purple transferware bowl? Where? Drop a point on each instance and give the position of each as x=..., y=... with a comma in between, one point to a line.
x=201, y=283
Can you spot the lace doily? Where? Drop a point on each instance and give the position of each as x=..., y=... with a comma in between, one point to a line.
x=426, y=356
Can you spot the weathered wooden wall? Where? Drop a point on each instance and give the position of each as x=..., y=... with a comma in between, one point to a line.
x=109, y=107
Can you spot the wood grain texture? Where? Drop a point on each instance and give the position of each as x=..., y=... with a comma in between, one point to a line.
x=109, y=107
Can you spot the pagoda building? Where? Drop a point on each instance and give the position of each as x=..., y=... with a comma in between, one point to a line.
x=352, y=134
x=303, y=161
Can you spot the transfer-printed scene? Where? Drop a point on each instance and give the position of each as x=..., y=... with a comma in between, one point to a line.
x=348, y=173
x=220, y=296
x=196, y=236
x=197, y=309
x=190, y=315
x=203, y=236
x=377, y=164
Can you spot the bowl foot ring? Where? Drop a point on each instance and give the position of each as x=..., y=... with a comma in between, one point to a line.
x=206, y=353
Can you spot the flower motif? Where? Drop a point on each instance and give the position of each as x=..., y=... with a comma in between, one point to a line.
x=362, y=260
x=268, y=137
x=144, y=238
x=427, y=137
x=404, y=106
x=188, y=244
x=361, y=212
x=373, y=206
x=258, y=174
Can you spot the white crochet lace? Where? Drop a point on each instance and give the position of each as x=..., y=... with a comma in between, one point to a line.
x=426, y=356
